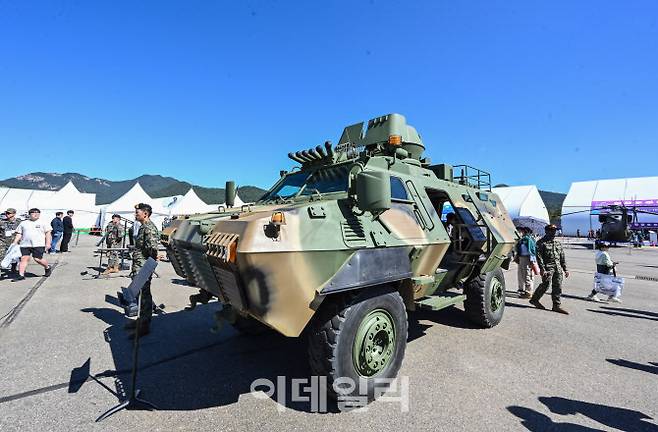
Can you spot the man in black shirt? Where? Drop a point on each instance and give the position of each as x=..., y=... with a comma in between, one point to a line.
x=68, y=231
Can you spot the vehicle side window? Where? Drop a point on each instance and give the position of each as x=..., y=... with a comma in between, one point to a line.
x=398, y=191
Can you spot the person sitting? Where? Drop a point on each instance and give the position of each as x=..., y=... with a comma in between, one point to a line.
x=604, y=265
x=451, y=225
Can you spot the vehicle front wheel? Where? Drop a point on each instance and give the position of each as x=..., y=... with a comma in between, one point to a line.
x=485, y=298
x=358, y=341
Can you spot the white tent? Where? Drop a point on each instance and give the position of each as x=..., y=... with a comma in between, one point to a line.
x=169, y=201
x=525, y=206
x=50, y=202
x=125, y=206
x=3, y=192
x=190, y=203
x=18, y=199
x=70, y=198
x=38, y=197
x=588, y=195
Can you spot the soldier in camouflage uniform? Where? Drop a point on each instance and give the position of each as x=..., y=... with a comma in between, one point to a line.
x=147, y=242
x=550, y=257
x=113, y=237
x=8, y=233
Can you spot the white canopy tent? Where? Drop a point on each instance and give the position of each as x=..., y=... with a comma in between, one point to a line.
x=50, y=202
x=190, y=203
x=525, y=206
x=20, y=199
x=39, y=197
x=583, y=197
x=3, y=192
x=70, y=198
x=238, y=201
x=125, y=206
x=169, y=201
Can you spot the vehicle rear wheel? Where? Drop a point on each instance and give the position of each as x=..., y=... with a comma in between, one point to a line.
x=485, y=298
x=358, y=341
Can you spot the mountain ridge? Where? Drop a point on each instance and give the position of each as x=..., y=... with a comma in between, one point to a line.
x=106, y=191
x=158, y=186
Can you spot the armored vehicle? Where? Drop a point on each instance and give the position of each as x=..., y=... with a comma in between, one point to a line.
x=340, y=248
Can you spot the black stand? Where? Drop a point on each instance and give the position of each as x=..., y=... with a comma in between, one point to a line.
x=134, y=401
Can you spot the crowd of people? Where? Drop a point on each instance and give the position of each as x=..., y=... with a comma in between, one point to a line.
x=33, y=238
x=545, y=257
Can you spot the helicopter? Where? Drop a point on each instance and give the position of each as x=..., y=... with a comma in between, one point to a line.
x=618, y=221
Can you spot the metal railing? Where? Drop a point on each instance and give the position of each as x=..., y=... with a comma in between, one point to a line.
x=471, y=176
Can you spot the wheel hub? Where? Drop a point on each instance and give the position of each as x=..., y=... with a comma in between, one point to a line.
x=497, y=294
x=374, y=344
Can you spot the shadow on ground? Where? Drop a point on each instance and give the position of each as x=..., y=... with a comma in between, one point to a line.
x=621, y=312
x=185, y=366
x=519, y=305
x=635, y=311
x=651, y=367
x=613, y=417
x=450, y=316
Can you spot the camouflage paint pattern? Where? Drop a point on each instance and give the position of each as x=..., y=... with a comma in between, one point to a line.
x=113, y=238
x=279, y=270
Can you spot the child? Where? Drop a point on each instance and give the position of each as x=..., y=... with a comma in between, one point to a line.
x=604, y=265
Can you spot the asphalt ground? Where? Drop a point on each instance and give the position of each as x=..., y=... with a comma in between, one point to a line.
x=65, y=359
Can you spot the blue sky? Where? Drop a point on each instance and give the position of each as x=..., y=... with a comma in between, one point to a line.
x=539, y=93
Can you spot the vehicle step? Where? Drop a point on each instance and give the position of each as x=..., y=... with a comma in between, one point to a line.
x=438, y=302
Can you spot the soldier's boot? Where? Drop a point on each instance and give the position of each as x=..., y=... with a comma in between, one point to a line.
x=535, y=303
x=558, y=309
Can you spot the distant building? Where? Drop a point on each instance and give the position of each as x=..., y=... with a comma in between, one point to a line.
x=525, y=206
x=580, y=207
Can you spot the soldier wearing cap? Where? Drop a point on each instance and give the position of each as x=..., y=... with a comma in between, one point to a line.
x=551, y=261
x=8, y=233
x=147, y=241
x=114, y=233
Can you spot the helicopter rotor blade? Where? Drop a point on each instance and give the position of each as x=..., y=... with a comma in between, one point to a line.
x=645, y=212
x=579, y=211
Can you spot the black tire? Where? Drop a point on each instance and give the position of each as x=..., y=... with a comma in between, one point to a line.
x=332, y=338
x=249, y=326
x=478, y=305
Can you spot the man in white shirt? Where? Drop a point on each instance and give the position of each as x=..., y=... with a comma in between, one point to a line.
x=32, y=236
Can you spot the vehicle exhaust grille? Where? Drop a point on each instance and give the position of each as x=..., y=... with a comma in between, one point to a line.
x=353, y=233
x=222, y=246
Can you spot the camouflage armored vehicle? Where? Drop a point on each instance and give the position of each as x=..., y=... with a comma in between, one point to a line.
x=341, y=248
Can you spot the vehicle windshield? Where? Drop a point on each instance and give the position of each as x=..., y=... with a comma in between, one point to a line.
x=326, y=180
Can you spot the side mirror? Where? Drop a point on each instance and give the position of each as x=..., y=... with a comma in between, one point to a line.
x=229, y=194
x=373, y=191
